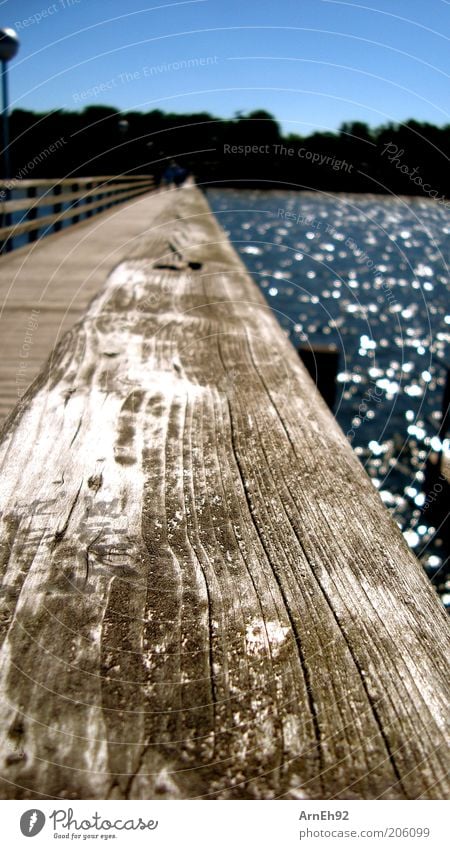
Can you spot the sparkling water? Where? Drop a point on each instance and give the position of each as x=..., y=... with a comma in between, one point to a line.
x=368, y=274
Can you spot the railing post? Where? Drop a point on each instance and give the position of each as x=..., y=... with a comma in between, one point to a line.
x=76, y=203
x=104, y=205
x=107, y=196
x=89, y=197
x=32, y=213
x=6, y=245
x=57, y=208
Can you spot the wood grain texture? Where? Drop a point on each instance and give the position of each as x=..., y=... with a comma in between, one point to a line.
x=203, y=595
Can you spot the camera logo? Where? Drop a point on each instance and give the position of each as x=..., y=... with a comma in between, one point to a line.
x=32, y=822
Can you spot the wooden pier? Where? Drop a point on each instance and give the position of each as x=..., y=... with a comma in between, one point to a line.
x=47, y=285
x=203, y=595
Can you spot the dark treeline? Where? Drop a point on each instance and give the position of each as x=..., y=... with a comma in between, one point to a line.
x=248, y=150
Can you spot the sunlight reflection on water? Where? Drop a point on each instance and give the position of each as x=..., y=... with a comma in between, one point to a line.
x=368, y=274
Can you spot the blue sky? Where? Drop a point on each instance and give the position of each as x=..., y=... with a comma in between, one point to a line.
x=312, y=63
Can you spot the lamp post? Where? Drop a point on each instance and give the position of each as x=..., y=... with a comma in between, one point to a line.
x=9, y=45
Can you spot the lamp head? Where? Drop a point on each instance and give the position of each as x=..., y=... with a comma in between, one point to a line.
x=9, y=44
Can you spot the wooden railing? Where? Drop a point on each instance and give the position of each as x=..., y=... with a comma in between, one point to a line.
x=202, y=593
x=70, y=199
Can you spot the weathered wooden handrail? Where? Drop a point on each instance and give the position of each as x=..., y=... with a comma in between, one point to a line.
x=97, y=194
x=18, y=205
x=203, y=595
x=67, y=181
